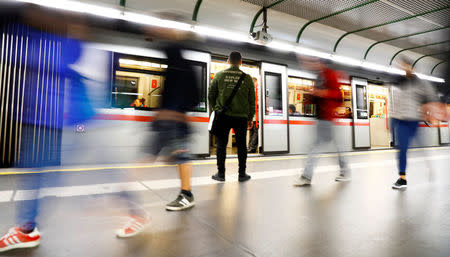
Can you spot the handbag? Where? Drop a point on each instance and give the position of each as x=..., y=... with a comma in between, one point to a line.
x=216, y=119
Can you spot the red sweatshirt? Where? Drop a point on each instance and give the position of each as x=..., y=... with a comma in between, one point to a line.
x=327, y=105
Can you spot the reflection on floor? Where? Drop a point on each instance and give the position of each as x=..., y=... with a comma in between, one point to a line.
x=266, y=216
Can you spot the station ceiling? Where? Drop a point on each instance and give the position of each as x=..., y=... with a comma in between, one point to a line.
x=418, y=24
x=372, y=30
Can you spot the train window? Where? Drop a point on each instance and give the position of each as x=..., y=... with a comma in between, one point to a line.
x=345, y=110
x=301, y=102
x=274, y=101
x=139, y=82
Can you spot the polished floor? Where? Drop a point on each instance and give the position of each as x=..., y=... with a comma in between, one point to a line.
x=263, y=217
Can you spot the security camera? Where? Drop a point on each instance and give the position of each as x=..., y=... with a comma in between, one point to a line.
x=262, y=37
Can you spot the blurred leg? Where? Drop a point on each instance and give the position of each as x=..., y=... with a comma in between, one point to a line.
x=405, y=132
x=323, y=135
x=27, y=210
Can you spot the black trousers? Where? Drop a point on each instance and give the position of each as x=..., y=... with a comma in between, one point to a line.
x=240, y=129
x=253, y=141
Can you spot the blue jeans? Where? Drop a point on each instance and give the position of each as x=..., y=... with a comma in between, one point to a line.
x=37, y=157
x=404, y=130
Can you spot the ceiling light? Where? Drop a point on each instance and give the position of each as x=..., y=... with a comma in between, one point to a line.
x=430, y=78
x=346, y=60
x=311, y=52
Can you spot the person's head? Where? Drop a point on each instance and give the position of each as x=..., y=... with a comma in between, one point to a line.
x=406, y=65
x=291, y=109
x=235, y=59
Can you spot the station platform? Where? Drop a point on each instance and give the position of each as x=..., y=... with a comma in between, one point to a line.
x=265, y=217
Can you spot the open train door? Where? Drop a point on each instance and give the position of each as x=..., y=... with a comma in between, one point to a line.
x=361, y=129
x=274, y=113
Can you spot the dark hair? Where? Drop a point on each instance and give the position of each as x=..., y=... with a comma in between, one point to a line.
x=292, y=108
x=235, y=58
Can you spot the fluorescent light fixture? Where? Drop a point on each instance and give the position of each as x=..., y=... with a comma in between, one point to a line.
x=128, y=62
x=76, y=6
x=153, y=21
x=395, y=71
x=223, y=34
x=311, y=52
x=141, y=63
x=346, y=60
x=281, y=46
x=430, y=78
x=374, y=66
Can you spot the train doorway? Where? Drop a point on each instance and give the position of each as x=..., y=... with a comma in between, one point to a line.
x=380, y=136
x=253, y=135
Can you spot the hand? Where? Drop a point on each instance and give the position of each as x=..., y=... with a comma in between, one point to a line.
x=249, y=124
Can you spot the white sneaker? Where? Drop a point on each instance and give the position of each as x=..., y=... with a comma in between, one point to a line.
x=343, y=178
x=134, y=226
x=302, y=181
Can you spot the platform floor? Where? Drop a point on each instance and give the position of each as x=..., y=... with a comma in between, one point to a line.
x=263, y=217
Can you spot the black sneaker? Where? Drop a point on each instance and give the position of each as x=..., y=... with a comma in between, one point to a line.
x=243, y=178
x=400, y=184
x=182, y=202
x=218, y=177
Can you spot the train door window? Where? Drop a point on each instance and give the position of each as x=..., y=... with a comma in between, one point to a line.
x=378, y=115
x=361, y=102
x=219, y=64
x=345, y=110
x=301, y=101
x=139, y=82
x=274, y=101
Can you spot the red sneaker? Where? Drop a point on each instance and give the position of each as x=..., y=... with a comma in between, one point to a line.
x=133, y=227
x=17, y=239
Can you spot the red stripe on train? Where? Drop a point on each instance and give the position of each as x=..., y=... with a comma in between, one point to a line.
x=138, y=118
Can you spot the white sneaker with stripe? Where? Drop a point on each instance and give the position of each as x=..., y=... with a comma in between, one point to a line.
x=135, y=226
x=182, y=202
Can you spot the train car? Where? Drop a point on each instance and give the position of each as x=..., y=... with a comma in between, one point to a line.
x=121, y=130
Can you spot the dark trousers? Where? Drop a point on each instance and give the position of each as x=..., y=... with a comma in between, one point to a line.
x=405, y=131
x=253, y=142
x=240, y=129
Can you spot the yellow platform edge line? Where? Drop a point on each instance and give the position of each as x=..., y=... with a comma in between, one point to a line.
x=263, y=159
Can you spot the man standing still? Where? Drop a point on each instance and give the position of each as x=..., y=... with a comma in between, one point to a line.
x=239, y=115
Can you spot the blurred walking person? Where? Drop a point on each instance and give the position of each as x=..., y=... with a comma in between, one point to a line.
x=328, y=97
x=238, y=113
x=408, y=99
x=171, y=129
x=41, y=133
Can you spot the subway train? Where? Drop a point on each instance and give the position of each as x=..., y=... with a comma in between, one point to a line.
x=129, y=70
